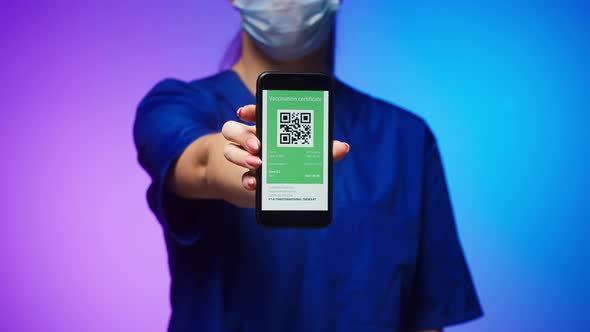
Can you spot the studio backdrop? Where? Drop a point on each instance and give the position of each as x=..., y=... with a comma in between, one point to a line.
x=503, y=84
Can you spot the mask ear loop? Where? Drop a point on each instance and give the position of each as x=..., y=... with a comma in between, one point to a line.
x=331, y=49
x=232, y=53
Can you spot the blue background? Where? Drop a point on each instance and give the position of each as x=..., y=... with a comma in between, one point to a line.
x=505, y=87
x=503, y=84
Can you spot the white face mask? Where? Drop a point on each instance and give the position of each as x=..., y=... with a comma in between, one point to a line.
x=287, y=29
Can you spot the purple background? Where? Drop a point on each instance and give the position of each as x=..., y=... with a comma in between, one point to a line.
x=79, y=248
x=504, y=86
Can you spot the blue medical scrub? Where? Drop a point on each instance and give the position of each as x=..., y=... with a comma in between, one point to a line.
x=390, y=261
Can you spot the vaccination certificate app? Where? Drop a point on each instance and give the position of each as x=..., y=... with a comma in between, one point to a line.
x=295, y=150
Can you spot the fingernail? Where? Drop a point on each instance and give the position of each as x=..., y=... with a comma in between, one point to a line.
x=251, y=183
x=253, y=161
x=239, y=111
x=347, y=147
x=252, y=144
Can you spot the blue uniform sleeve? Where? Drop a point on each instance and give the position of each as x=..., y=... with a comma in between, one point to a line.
x=168, y=120
x=443, y=292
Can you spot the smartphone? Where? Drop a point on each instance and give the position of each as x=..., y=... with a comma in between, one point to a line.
x=294, y=123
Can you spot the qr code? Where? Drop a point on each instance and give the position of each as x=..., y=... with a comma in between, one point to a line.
x=295, y=128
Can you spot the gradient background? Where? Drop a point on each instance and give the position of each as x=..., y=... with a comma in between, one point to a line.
x=504, y=85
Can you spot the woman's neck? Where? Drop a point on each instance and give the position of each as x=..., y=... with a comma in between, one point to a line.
x=253, y=61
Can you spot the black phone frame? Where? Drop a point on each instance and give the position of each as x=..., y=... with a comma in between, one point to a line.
x=294, y=81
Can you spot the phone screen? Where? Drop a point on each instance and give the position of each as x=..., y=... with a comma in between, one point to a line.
x=295, y=150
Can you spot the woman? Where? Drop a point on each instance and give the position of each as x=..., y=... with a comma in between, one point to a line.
x=390, y=261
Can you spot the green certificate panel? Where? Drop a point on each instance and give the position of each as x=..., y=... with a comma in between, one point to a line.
x=295, y=137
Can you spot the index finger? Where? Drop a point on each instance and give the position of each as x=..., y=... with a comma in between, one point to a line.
x=247, y=113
